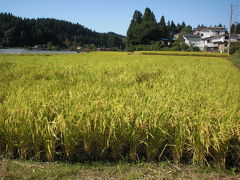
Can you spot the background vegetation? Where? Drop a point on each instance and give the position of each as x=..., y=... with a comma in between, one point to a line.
x=145, y=33
x=52, y=33
x=235, y=47
x=235, y=59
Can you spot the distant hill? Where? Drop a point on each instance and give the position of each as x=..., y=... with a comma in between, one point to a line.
x=20, y=32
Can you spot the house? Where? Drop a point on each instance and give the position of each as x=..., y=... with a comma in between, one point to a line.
x=215, y=43
x=207, y=38
x=205, y=32
x=194, y=40
x=235, y=37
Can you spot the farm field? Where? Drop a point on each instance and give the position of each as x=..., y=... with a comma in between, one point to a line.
x=115, y=106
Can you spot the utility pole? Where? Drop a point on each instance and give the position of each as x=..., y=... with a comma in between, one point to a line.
x=230, y=27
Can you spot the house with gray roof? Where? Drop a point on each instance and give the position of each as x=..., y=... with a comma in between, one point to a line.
x=207, y=38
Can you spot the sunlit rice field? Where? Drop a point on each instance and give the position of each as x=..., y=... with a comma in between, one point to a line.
x=115, y=106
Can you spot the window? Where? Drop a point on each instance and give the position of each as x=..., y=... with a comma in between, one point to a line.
x=217, y=32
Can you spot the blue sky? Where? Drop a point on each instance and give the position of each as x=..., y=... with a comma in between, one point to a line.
x=115, y=16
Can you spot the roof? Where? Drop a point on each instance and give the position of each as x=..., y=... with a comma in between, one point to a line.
x=236, y=35
x=165, y=39
x=207, y=28
x=222, y=35
x=192, y=36
x=219, y=42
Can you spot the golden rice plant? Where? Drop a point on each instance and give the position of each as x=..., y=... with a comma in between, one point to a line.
x=115, y=106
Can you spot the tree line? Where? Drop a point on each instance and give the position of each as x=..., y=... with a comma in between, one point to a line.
x=144, y=30
x=235, y=28
x=20, y=32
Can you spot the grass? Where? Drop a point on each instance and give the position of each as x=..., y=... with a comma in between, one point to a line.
x=112, y=106
x=235, y=59
x=181, y=53
x=18, y=169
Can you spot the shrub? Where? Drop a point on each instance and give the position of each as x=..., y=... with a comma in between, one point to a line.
x=235, y=59
x=235, y=46
x=194, y=49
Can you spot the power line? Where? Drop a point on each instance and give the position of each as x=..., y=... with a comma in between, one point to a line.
x=229, y=39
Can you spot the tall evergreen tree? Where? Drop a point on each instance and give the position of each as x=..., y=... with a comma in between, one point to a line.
x=149, y=31
x=179, y=28
x=238, y=28
x=132, y=33
x=168, y=23
x=183, y=25
x=143, y=29
x=136, y=20
x=233, y=28
x=162, y=22
x=149, y=17
x=173, y=28
x=163, y=28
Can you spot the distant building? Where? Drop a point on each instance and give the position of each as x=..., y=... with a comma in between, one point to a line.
x=39, y=47
x=194, y=40
x=235, y=37
x=209, y=38
x=205, y=32
x=175, y=36
x=79, y=48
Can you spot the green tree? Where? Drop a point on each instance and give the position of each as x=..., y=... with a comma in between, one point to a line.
x=183, y=25
x=15, y=31
x=173, y=29
x=238, y=28
x=149, y=17
x=10, y=37
x=233, y=27
x=164, y=33
x=132, y=33
x=148, y=30
x=180, y=41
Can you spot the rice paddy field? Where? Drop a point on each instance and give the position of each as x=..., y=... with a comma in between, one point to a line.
x=115, y=106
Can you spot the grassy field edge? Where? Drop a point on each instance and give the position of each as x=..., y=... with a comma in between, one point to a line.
x=19, y=169
x=235, y=59
x=181, y=53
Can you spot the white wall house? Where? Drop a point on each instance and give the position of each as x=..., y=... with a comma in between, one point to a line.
x=205, y=32
x=235, y=37
x=207, y=38
x=194, y=40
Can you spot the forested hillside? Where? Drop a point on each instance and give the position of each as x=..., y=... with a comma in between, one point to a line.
x=19, y=32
